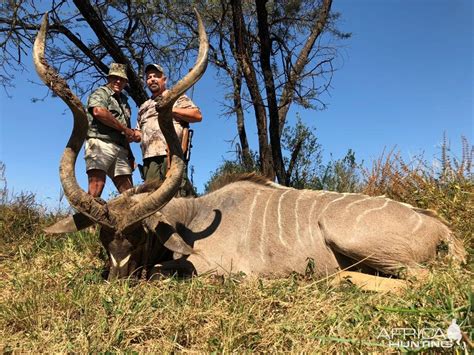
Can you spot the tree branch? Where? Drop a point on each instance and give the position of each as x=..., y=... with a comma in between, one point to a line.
x=82, y=47
x=288, y=91
x=137, y=92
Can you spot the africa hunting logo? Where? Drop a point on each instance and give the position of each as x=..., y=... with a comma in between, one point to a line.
x=413, y=338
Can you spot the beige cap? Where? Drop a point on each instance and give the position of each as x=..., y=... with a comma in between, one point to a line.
x=119, y=70
x=154, y=66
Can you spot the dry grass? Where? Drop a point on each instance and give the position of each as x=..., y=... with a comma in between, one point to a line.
x=54, y=299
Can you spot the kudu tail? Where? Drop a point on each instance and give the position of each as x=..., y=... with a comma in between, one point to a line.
x=449, y=246
x=456, y=250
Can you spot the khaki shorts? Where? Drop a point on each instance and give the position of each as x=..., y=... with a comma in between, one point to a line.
x=107, y=156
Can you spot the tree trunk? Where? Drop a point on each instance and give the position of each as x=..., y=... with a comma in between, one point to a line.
x=245, y=64
x=244, y=144
x=265, y=62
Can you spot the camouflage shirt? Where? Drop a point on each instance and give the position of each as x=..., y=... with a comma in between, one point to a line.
x=153, y=142
x=117, y=104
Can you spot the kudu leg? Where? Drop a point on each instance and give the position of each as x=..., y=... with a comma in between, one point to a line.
x=370, y=282
x=386, y=252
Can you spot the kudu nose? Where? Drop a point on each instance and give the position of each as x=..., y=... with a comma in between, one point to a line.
x=117, y=273
x=120, y=267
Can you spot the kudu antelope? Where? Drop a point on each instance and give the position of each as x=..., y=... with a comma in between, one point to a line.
x=250, y=225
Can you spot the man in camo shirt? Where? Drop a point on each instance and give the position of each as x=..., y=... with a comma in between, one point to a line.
x=107, y=150
x=153, y=142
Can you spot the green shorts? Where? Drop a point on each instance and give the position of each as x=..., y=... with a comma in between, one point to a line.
x=154, y=167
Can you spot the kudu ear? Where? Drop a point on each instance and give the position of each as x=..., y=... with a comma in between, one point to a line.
x=167, y=235
x=172, y=240
x=70, y=224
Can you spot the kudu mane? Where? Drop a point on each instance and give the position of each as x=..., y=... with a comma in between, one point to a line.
x=256, y=178
x=231, y=178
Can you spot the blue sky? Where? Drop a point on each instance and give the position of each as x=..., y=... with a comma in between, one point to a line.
x=407, y=77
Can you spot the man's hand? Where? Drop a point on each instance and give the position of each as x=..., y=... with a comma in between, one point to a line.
x=132, y=163
x=137, y=135
x=131, y=135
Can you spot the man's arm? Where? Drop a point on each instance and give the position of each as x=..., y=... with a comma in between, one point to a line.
x=190, y=115
x=106, y=117
x=185, y=110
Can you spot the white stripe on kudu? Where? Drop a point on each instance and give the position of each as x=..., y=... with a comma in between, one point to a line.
x=263, y=231
x=419, y=222
x=356, y=202
x=280, y=227
x=124, y=261
x=250, y=216
x=312, y=222
x=114, y=262
x=297, y=224
x=366, y=212
x=331, y=202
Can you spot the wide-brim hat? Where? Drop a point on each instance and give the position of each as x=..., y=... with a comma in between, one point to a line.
x=154, y=66
x=119, y=70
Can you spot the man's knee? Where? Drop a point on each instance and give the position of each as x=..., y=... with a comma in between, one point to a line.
x=123, y=182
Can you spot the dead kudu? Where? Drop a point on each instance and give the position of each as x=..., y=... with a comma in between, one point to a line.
x=249, y=225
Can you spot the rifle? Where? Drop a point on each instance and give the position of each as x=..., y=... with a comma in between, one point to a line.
x=186, y=145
